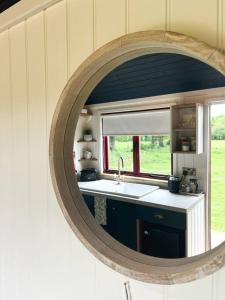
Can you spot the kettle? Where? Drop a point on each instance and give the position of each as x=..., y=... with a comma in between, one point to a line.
x=174, y=184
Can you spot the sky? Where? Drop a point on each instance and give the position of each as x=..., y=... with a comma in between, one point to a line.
x=218, y=109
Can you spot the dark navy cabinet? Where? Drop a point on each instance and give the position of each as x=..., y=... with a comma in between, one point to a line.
x=161, y=232
x=89, y=200
x=160, y=216
x=153, y=231
x=121, y=222
x=160, y=240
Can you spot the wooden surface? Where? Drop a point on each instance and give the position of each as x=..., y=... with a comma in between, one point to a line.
x=61, y=146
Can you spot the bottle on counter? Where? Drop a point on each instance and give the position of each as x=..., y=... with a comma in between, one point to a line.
x=174, y=184
x=184, y=185
x=193, y=185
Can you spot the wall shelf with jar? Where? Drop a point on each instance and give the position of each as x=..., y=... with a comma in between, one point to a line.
x=89, y=159
x=86, y=153
x=187, y=128
x=83, y=141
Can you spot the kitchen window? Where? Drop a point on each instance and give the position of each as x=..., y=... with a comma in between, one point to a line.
x=142, y=139
x=120, y=146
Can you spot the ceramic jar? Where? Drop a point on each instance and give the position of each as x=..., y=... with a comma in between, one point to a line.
x=87, y=154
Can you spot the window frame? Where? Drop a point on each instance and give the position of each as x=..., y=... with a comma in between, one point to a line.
x=136, y=161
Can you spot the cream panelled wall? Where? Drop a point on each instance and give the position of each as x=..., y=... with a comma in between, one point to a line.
x=40, y=258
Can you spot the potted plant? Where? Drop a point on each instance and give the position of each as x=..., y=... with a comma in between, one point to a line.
x=88, y=135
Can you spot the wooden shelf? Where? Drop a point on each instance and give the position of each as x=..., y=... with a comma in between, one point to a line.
x=91, y=159
x=83, y=141
x=187, y=122
x=86, y=114
x=184, y=129
x=185, y=152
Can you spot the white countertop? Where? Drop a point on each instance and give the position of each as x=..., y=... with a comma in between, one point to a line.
x=157, y=198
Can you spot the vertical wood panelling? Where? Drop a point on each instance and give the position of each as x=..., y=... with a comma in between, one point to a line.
x=56, y=77
x=147, y=14
x=219, y=290
x=37, y=147
x=58, y=252
x=56, y=54
x=110, y=20
x=144, y=291
x=108, y=280
x=80, y=31
x=195, y=227
x=109, y=23
x=196, y=290
x=20, y=108
x=220, y=24
x=6, y=200
x=196, y=18
x=223, y=24
x=82, y=262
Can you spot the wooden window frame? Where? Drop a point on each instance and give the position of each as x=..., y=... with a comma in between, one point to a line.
x=136, y=161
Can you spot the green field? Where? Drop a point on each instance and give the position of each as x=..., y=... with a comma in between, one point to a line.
x=218, y=185
x=157, y=160
x=153, y=160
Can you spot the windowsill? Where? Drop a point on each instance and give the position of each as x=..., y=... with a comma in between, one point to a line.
x=161, y=183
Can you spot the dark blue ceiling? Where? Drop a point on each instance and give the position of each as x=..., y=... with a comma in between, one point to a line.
x=5, y=4
x=155, y=74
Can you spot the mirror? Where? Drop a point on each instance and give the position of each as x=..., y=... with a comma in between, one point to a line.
x=141, y=153
x=116, y=255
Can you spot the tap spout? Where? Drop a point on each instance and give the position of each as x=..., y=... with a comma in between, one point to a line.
x=120, y=163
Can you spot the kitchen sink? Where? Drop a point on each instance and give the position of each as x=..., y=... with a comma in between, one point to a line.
x=126, y=189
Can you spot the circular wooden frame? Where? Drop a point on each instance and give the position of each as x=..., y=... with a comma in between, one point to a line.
x=73, y=97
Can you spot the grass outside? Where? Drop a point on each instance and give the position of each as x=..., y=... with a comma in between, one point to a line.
x=158, y=161
x=218, y=185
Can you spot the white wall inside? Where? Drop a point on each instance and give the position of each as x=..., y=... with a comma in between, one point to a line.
x=40, y=258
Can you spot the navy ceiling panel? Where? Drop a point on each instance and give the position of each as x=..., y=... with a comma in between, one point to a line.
x=5, y=4
x=155, y=74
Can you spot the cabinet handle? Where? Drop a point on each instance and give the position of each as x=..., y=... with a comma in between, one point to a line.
x=159, y=216
x=146, y=232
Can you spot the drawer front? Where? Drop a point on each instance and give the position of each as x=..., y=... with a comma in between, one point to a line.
x=161, y=216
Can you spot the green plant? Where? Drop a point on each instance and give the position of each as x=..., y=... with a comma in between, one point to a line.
x=87, y=131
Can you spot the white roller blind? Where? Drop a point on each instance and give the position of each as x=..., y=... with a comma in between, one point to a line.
x=152, y=122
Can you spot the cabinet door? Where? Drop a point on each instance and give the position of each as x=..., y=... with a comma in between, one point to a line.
x=121, y=222
x=89, y=200
x=161, y=241
x=126, y=218
x=112, y=218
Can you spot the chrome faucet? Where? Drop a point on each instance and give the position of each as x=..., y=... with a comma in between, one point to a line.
x=118, y=177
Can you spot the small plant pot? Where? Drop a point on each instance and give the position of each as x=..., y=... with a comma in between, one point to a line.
x=88, y=137
x=185, y=148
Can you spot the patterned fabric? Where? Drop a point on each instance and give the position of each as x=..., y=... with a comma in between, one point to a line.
x=100, y=210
